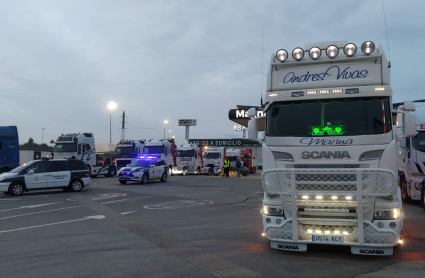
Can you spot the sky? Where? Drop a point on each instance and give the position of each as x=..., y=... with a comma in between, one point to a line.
x=61, y=62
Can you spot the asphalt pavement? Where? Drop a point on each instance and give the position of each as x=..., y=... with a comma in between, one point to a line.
x=189, y=226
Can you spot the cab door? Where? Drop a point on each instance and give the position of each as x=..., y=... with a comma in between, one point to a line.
x=39, y=176
x=59, y=175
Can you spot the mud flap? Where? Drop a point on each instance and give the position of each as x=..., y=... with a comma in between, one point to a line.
x=372, y=251
x=299, y=247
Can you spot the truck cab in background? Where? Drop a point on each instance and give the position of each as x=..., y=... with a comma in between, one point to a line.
x=81, y=146
x=248, y=160
x=9, y=148
x=164, y=149
x=411, y=159
x=233, y=155
x=128, y=151
x=330, y=150
x=213, y=158
x=188, y=160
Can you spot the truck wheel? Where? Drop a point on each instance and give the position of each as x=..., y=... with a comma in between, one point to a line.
x=198, y=171
x=209, y=172
x=404, y=194
x=123, y=182
x=184, y=173
x=144, y=179
x=16, y=189
x=164, y=177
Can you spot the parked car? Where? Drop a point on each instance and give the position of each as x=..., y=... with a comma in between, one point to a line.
x=68, y=174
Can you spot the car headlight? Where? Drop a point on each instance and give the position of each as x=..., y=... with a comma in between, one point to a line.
x=387, y=214
x=272, y=211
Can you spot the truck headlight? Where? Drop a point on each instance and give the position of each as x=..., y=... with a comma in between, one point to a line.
x=350, y=49
x=387, y=214
x=315, y=53
x=272, y=211
x=368, y=47
x=371, y=155
x=298, y=53
x=281, y=55
x=332, y=51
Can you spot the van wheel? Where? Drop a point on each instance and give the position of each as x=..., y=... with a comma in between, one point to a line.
x=403, y=187
x=123, y=182
x=76, y=186
x=164, y=177
x=16, y=189
x=144, y=179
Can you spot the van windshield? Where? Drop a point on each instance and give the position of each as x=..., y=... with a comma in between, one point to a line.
x=329, y=117
x=22, y=167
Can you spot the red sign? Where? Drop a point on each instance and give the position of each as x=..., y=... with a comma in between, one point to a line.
x=422, y=126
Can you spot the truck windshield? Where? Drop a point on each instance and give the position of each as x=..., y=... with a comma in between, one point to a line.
x=232, y=158
x=212, y=155
x=187, y=153
x=124, y=150
x=140, y=163
x=65, y=147
x=419, y=141
x=154, y=149
x=246, y=158
x=329, y=117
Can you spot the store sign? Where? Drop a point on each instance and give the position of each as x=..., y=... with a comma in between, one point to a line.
x=226, y=142
x=187, y=122
x=238, y=128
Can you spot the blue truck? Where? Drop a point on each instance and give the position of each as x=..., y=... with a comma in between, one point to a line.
x=9, y=148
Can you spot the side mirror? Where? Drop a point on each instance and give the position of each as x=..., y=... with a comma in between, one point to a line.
x=409, y=106
x=403, y=143
x=252, y=112
x=30, y=172
x=252, y=129
x=409, y=125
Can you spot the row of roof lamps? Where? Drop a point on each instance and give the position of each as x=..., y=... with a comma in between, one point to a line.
x=322, y=92
x=331, y=51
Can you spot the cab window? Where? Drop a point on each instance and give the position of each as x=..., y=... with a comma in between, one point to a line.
x=58, y=166
x=39, y=167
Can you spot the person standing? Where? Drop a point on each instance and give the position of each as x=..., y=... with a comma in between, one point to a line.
x=238, y=167
x=226, y=167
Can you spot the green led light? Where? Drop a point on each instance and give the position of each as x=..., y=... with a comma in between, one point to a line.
x=327, y=130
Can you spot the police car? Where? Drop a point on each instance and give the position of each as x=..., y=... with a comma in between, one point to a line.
x=143, y=170
x=70, y=175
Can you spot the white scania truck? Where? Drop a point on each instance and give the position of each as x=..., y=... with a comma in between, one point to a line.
x=128, y=151
x=188, y=160
x=213, y=158
x=81, y=146
x=164, y=149
x=330, y=151
x=411, y=159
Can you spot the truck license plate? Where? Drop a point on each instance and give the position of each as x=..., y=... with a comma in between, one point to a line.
x=327, y=238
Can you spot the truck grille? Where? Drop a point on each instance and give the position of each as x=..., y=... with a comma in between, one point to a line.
x=123, y=163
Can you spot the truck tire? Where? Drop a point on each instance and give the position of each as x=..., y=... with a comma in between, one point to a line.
x=404, y=194
x=198, y=171
x=209, y=172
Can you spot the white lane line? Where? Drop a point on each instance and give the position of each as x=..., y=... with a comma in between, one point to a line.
x=13, y=216
x=124, y=200
x=128, y=212
x=196, y=194
x=56, y=223
x=30, y=206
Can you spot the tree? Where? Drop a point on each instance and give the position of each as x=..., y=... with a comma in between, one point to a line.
x=32, y=145
x=52, y=142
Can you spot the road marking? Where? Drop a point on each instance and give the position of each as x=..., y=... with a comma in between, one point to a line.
x=195, y=195
x=30, y=206
x=106, y=196
x=13, y=216
x=128, y=212
x=56, y=223
x=125, y=200
x=179, y=204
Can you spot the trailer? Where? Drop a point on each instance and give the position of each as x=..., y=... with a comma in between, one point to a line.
x=9, y=148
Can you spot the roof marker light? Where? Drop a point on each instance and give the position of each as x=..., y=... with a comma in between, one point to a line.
x=272, y=95
x=311, y=92
x=281, y=55
x=368, y=47
x=315, y=53
x=350, y=49
x=298, y=53
x=324, y=92
x=332, y=51
x=380, y=89
x=336, y=91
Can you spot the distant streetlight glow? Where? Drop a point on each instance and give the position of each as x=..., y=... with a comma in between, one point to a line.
x=111, y=106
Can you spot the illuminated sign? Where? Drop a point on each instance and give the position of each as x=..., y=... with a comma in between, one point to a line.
x=187, y=122
x=238, y=128
x=226, y=142
x=244, y=114
x=327, y=130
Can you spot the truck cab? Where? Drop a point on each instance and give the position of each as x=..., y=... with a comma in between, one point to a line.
x=165, y=149
x=188, y=160
x=127, y=151
x=213, y=158
x=9, y=148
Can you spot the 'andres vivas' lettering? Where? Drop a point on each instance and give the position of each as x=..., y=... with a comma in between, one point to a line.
x=332, y=71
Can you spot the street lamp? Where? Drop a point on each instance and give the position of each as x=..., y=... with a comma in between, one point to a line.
x=165, y=122
x=111, y=106
x=42, y=136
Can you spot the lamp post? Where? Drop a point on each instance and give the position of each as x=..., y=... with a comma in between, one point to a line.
x=165, y=122
x=111, y=106
x=42, y=136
